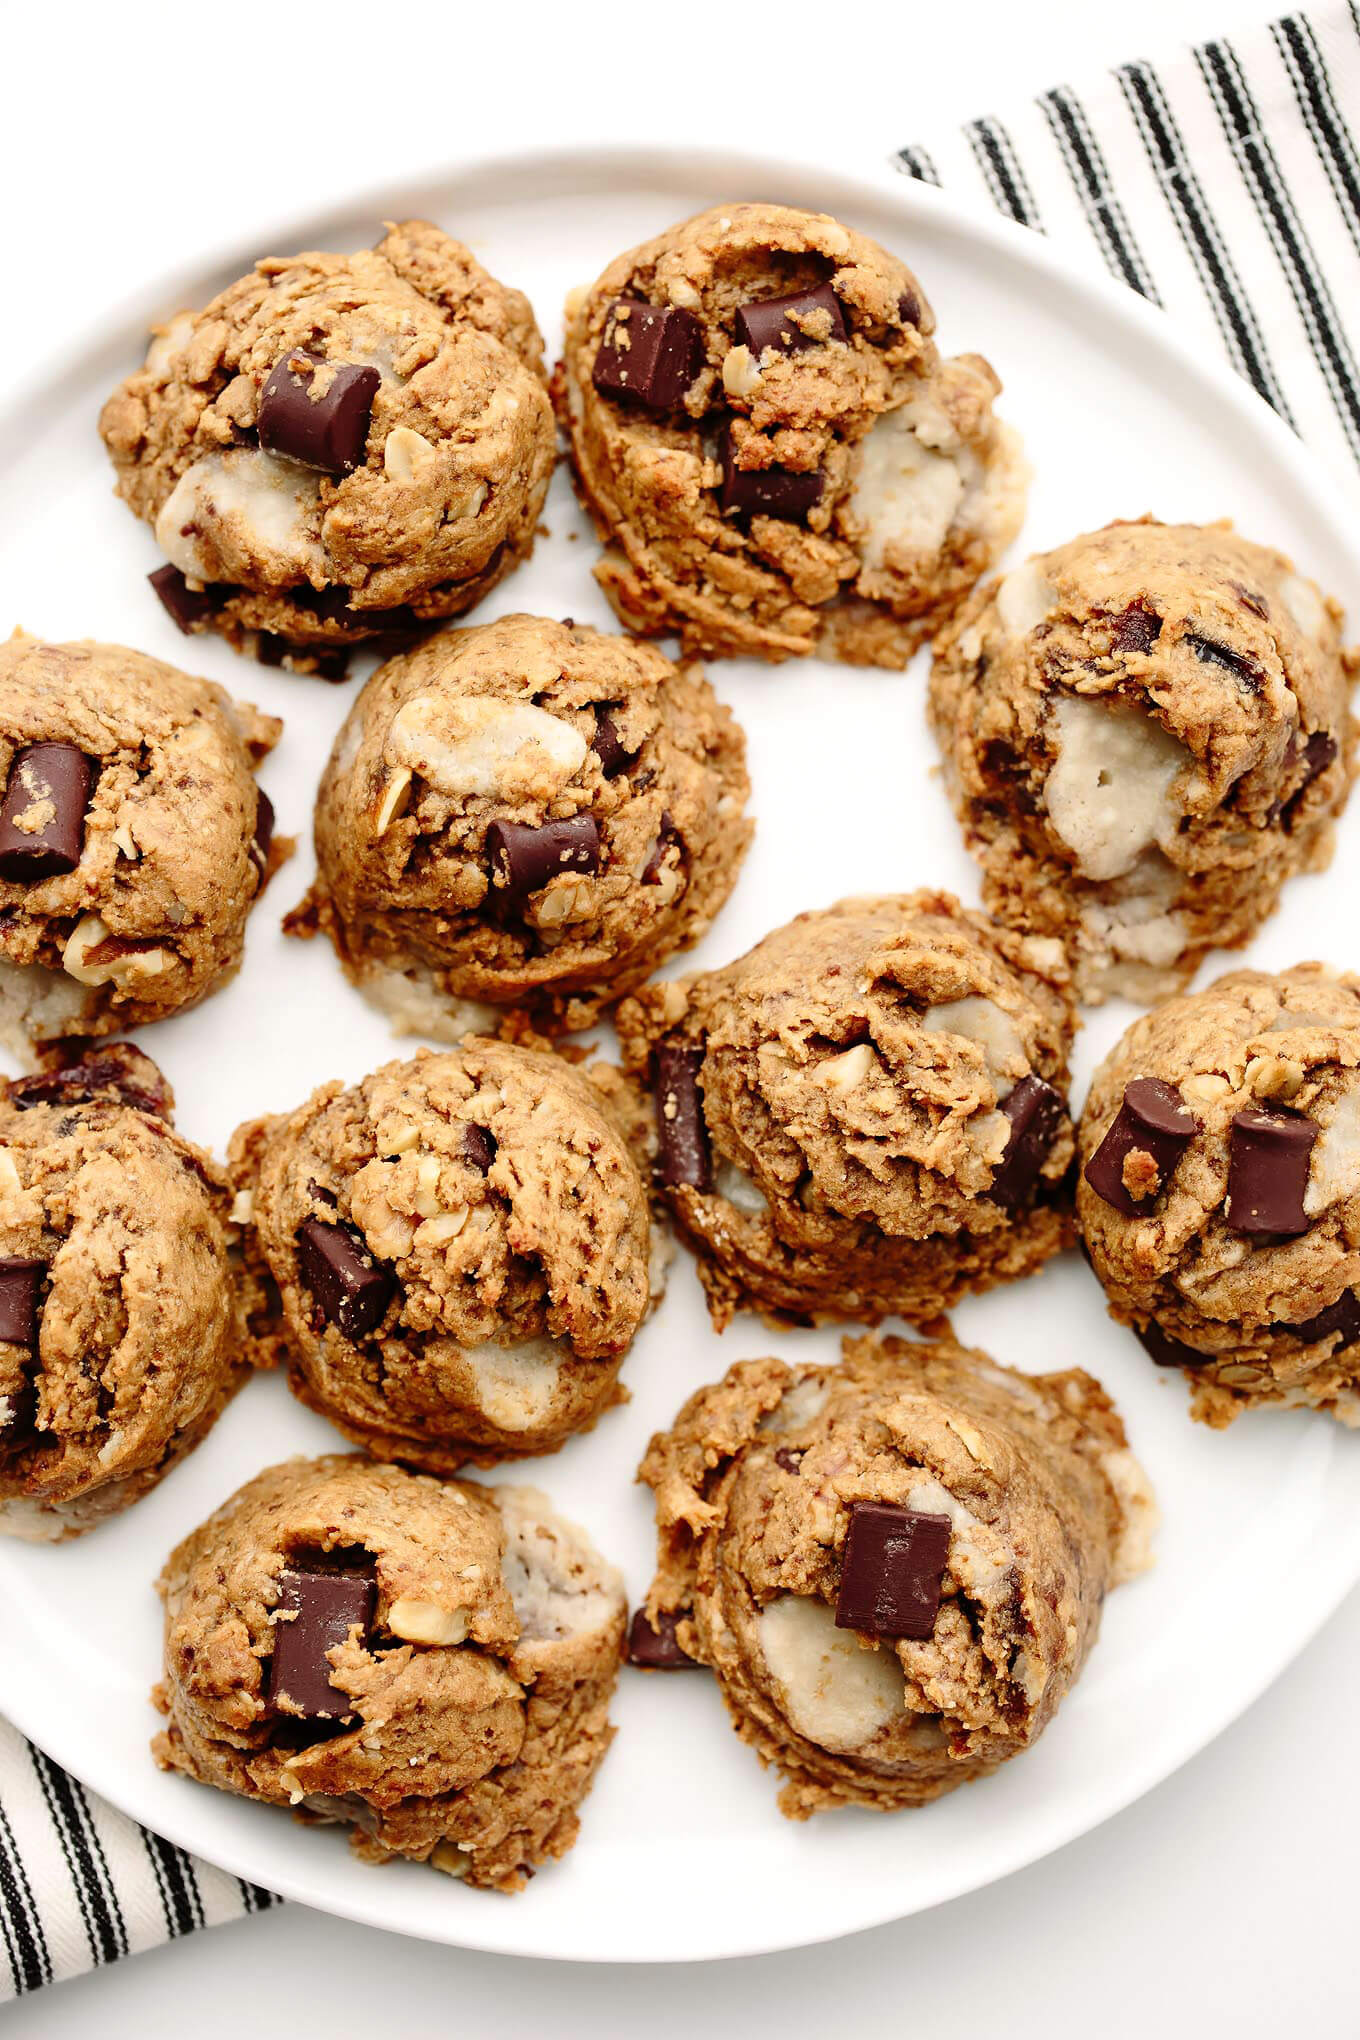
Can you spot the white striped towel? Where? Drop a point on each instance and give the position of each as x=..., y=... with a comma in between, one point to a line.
x=1223, y=184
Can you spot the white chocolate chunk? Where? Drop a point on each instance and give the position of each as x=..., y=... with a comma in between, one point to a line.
x=423, y=1622
x=1109, y=791
x=243, y=1208
x=978, y=1557
x=982, y=1021
x=392, y=801
x=1304, y=604
x=1024, y=599
x=255, y=507
x=740, y=1191
x=559, y=1584
x=450, y=1858
x=1334, y=1166
x=1134, y=1552
x=905, y=495
x=515, y=1385
x=168, y=344
x=832, y=1690
x=478, y=745
x=800, y=1405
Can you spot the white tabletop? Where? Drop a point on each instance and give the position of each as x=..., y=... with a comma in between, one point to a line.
x=136, y=137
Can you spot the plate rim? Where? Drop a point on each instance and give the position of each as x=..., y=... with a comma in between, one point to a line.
x=876, y=181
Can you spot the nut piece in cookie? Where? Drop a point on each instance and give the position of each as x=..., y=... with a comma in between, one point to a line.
x=1145, y=733
x=121, y=1318
x=428, y=1663
x=865, y=1115
x=460, y=1245
x=895, y=1567
x=775, y=456
x=1228, y=1237
x=134, y=839
x=338, y=448
x=526, y=813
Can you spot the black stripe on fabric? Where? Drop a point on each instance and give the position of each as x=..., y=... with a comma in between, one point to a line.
x=1274, y=201
x=80, y=1845
x=919, y=164
x=98, y=1902
x=1308, y=74
x=1000, y=167
x=181, y=1901
x=254, y=1897
x=1085, y=164
x=25, y=1942
x=1198, y=229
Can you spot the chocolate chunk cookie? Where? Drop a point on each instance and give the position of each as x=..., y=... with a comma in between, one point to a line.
x=774, y=454
x=528, y=812
x=133, y=838
x=1220, y=1191
x=1145, y=733
x=895, y=1567
x=866, y=1114
x=121, y=1325
x=428, y=1663
x=460, y=1244
x=338, y=447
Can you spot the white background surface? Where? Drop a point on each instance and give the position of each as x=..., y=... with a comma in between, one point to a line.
x=135, y=140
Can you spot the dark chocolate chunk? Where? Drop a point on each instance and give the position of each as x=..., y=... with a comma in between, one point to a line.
x=1035, y=1111
x=270, y=648
x=650, y=354
x=780, y=323
x=479, y=1148
x=524, y=859
x=1136, y=629
x=20, y=1287
x=1342, y=1316
x=329, y=432
x=891, y=1572
x=1000, y=762
x=1166, y=1351
x=1268, y=1154
x=685, y=1157
x=116, y=1073
x=1153, y=1120
x=49, y=787
x=316, y=1610
x=264, y=829
x=909, y=308
x=185, y=606
x=655, y=1649
x=1319, y=754
x=668, y=839
x=766, y=492
x=1210, y=652
x=788, y=1459
x=608, y=745
x=348, y=1286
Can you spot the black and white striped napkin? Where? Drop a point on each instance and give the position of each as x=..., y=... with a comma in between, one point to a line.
x=1224, y=185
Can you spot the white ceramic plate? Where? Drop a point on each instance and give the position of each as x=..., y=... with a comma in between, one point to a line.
x=683, y=1855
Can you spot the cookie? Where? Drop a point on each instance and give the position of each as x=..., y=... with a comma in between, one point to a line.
x=1219, y=1199
x=1145, y=733
x=864, y=1115
x=338, y=447
x=133, y=838
x=524, y=813
x=121, y=1325
x=894, y=1567
x=460, y=1246
x=775, y=456
x=428, y=1663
